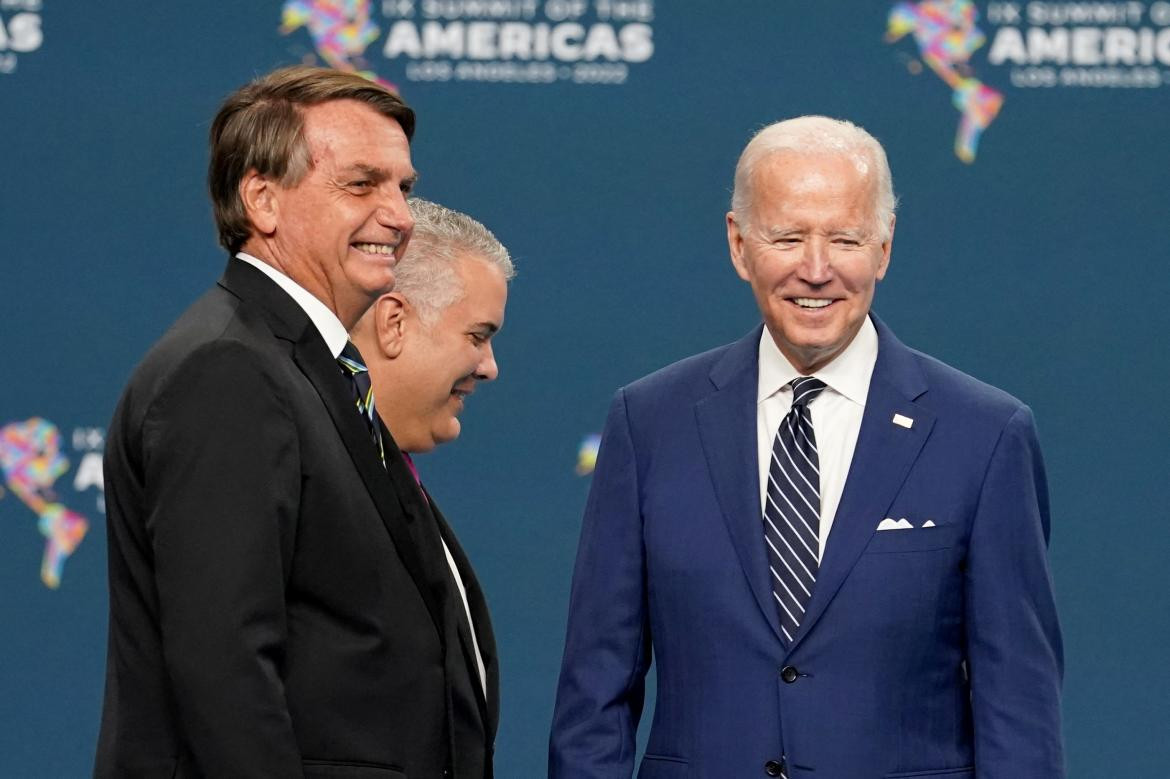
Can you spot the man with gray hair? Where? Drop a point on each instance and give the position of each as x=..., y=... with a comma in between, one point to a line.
x=427, y=344
x=833, y=546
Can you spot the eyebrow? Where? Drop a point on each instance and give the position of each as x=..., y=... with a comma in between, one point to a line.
x=858, y=234
x=777, y=231
x=378, y=174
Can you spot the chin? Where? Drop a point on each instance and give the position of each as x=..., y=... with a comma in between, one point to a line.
x=449, y=433
x=446, y=438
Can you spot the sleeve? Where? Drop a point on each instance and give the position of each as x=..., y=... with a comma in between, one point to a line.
x=607, y=647
x=222, y=476
x=1013, y=637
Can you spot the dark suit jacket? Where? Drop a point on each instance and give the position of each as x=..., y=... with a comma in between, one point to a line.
x=280, y=605
x=928, y=652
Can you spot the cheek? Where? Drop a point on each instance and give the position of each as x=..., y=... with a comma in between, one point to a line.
x=773, y=269
x=443, y=376
x=856, y=275
x=771, y=285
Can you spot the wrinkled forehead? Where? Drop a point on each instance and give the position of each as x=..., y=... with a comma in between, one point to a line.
x=789, y=173
x=341, y=129
x=830, y=159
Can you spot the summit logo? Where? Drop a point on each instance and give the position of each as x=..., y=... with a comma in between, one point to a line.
x=496, y=41
x=33, y=463
x=1031, y=45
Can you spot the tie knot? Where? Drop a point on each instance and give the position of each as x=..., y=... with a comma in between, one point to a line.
x=351, y=359
x=804, y=389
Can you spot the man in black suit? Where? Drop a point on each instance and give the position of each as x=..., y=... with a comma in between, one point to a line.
x=280, y=605
x=427, y=345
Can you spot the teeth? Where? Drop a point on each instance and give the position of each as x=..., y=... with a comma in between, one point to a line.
x=811, y=302
x=374, y=248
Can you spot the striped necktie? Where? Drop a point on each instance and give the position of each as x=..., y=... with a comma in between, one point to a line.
x=353, y=366
x=792, y=513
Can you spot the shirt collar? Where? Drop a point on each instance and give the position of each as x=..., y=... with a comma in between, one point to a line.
x=847, y=375
x=325, y=320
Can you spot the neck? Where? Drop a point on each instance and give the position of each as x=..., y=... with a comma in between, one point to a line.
x=311, y=279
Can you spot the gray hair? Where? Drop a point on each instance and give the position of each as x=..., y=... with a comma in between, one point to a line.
x=426, y=275
x=813, y=135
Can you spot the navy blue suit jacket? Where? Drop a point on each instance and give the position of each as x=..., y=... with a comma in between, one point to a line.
x=925, y=652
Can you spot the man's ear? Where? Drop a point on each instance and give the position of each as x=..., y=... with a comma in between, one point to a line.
x=390, y=322
x=735, y=246
x=260, y=204
x=887, y=248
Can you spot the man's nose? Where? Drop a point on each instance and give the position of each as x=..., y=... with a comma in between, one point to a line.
x=487, y=370
x=816, y=265
x=393, y=212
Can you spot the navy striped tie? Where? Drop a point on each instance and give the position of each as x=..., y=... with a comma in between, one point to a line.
x=792, y=512
x=354, y=367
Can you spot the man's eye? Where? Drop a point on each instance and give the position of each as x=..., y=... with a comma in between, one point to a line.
x=407, y=187
x=361, y=184
x=479, y=339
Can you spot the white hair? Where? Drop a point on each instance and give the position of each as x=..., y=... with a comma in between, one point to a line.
x=426, y=275
x=817, y=135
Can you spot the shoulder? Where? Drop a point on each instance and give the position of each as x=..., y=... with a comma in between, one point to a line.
x=674, y=390
x=954, y=390
x=974, y=417
x=694, y=370
x=940, y=387
x=219, y=343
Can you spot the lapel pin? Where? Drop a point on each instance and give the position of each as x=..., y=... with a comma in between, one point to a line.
x=902, y=421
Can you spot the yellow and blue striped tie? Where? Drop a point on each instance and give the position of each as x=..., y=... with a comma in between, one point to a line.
x=353, y=366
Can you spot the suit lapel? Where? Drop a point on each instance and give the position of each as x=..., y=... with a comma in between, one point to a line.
x=727, y=429
x=401, y=512
x=882, y=459
x=289, y=322
x=489, y=707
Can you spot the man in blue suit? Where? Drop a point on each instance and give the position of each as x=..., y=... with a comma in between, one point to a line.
x=833, y=546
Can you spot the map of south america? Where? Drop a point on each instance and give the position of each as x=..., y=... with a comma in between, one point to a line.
x=31, y=460
x=947, y=35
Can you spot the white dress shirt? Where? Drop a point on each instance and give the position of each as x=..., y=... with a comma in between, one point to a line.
x=336, y=337
x=836, y=413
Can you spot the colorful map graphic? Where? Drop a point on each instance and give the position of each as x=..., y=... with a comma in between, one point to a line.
x=30, y=456
x=946, y=35
x=587, y=454
x=341, y=30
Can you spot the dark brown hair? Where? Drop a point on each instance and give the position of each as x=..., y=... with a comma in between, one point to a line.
x=260, y=127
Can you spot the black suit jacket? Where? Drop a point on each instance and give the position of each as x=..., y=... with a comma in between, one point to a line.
x=280, y=605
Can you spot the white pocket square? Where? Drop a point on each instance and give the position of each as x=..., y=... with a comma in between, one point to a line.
x=891, y=524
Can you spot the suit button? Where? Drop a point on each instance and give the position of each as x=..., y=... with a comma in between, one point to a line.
x=774, y=768
x=789, y=674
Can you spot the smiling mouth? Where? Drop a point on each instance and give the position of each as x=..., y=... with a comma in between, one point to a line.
x=461, y=394
x=812, y=303
x=383, y=249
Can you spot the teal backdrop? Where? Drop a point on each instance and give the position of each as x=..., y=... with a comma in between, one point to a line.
x=597, y=138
